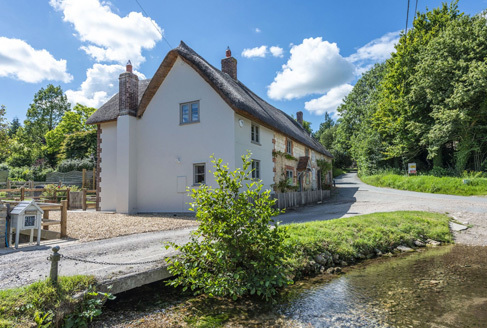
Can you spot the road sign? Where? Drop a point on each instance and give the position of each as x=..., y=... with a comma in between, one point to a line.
x=411, y=168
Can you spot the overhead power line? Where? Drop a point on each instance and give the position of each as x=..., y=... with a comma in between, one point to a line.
x=407, y=17
x=155, y=26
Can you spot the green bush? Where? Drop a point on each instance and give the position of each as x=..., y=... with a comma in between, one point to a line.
x=234, y=251
x=76, y=165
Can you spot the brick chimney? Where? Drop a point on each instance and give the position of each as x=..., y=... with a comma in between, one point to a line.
x=128, y=95
x=229, y=64
x=299, y=117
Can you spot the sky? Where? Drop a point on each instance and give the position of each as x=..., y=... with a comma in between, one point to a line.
x=297, y=55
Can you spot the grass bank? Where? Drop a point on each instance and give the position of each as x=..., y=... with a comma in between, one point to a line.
x=35, y=304
x=429, y=184
x=355, y=238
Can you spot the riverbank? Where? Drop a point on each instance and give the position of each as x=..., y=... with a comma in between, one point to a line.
x=322, y=245
x=37, y=304
x=430, y=184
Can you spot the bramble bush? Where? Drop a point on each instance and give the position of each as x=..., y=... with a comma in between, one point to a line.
x=234, y=251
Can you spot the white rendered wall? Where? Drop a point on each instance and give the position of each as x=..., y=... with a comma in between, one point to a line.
x=108, y=166
x=261, y=151
x=126, y=164
x=166, y=150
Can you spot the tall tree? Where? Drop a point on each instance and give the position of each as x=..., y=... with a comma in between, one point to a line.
x=4, y=145
x=45, y=112
x=14, y=126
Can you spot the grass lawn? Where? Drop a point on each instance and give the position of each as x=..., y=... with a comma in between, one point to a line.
x=429, y=184
x=357, y=237
x=19, y=307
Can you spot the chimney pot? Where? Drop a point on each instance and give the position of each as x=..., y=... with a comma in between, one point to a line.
x=229, y=64
x=299, y=117
x=128, y=67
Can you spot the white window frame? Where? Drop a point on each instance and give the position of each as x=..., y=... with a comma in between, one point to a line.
x=255, y=169
x=189, y=103
x=255, y=133
x=195, y=174
x=289, y=146
x=290, y=177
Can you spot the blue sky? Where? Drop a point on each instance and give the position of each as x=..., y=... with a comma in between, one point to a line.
x=297, y=55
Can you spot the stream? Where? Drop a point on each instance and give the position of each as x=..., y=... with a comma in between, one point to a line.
x=435, y=287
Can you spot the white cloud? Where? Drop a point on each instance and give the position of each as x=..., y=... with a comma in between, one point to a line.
x=315, y=66
x=377, y=50
x=100, y=85
x=19, y=60
x=257, y=30
x=330, y=101
x=255, y=52
x=276, y=51
x=109, y=37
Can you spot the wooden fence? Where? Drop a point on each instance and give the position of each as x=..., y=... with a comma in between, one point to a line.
x=84, y=178
x=300, y=198
x=83, y=199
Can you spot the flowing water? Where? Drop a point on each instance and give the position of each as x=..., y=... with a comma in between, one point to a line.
x=439, y=287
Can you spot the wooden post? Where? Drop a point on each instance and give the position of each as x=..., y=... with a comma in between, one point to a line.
x=45, y=216
x=67, y=195
x=94, y=180
x=55, y=196
x=22, y=193
x=64, y=218
x=83, y=202
x=83, y=179
x=8, y=184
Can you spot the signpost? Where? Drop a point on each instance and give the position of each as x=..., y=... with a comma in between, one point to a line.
x=411, y=168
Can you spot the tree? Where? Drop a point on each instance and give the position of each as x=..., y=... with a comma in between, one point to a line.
x=72, y=122
x=79, y=145
x=14, y=126
x=234, y=251
x=45, y=112
x=4, y=145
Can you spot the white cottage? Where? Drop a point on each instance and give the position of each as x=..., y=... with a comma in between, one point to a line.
x=155, y=136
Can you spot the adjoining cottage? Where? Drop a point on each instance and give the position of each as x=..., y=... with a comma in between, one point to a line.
x=155, y=136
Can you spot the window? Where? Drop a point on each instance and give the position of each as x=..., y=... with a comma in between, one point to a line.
x=289, y=176
x=255, y=169
x=189, y=112
x=198, y=174
x=289, y=147
x=254, y=134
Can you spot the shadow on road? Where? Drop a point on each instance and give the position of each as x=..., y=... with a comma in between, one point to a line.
x=337, y=206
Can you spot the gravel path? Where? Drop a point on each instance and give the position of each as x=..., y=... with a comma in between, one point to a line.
x=92, y=225
x=354, y=197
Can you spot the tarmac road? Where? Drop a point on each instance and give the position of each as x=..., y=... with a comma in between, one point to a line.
x=352, y=197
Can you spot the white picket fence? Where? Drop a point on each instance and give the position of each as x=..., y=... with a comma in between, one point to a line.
x=300, y=198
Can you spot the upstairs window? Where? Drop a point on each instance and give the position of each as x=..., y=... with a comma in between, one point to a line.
x=289, y=146
x=255, y=169
x=255, y=133
x=189, y=112
x=198, y=174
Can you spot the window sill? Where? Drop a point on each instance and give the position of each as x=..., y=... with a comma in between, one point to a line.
x=189, y=123
x=256, y=143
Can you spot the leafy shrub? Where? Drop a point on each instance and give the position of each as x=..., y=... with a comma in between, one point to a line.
x=3, y=167
x=76, y=165
x=438, y=171
x=234, y=251
x=79, y=145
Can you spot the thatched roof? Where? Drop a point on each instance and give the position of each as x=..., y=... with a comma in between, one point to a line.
x=241, y=99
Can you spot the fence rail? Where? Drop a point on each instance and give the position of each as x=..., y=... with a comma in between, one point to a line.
x=300, y=198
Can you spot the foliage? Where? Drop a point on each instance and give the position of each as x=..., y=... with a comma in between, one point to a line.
x=337, y=172
x=45, y=112
x=351, y=238
x=4, y=146
x=69, y=165
x=234, y=251
x=79, y=145
x=89, y=308
x=285, y=185
x=14, y=126
x=20, y=306
x=430, y=184
x=72, y=122
x=29, y=173
x=276, y=153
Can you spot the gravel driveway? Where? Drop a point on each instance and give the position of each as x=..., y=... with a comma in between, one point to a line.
x=353, y=197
